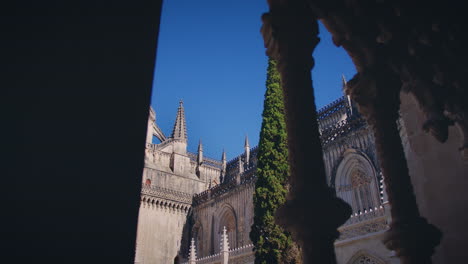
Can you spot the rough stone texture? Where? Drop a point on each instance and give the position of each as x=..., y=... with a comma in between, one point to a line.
x=439, y=175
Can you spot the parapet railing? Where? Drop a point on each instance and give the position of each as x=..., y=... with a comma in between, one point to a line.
x=366, y=215
x=341, y=128
x=232, y=253
x=331, y=108
x=241, y=251
x=245, y=178
x=209, y=259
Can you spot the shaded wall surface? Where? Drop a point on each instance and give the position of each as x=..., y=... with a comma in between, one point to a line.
x=81, y=79
x=439, y=176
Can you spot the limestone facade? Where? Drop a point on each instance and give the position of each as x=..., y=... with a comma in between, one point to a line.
x=188, y=196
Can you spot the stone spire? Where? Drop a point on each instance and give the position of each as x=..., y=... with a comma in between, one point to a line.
x=200, y=153
x=241, y=170
x=180, y=127
x=223, y=157
x=192, y=253
x=343, y=80
x=223, y=166
x=350, y=103
x=224, y=247
x=247, y=151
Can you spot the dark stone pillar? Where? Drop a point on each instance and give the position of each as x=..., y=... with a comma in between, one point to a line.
x=312, y=213
x=81, y=76
x=377, y=94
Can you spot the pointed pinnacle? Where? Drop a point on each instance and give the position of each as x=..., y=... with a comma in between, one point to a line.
x=343, y=80
x=223, y=157
x=200, y=146
x=180, y=127
x=246, y=144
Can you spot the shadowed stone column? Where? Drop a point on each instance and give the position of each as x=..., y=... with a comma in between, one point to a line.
x=312, y=213
x=376, y=91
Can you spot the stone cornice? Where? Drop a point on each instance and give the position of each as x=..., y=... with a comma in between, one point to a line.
x=165, y=194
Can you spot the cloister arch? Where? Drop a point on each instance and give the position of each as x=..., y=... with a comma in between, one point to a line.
x=226, y=217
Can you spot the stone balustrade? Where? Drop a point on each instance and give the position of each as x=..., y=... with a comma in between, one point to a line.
x=235, y=253
x=366, y=215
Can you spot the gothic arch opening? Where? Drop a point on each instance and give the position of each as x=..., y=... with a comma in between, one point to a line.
x=227, y=218
x=197, y=234
x=356, y=181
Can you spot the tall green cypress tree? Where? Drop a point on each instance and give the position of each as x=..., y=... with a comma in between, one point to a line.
x=272, y=243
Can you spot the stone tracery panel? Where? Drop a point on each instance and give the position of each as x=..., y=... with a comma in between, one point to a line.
x=356, y=181
x=362, y=257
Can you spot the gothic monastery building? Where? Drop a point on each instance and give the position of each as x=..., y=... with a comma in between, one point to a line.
x=196, y=209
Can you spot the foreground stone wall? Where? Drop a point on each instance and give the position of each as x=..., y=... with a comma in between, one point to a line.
x=440, y=178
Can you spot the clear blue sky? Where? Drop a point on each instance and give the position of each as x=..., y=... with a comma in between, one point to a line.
x=211, y=55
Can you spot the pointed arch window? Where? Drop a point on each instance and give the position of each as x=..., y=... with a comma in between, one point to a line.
x=356, y=182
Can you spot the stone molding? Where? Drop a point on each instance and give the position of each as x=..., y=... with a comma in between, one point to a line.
x=150, y=192
x=363, y=228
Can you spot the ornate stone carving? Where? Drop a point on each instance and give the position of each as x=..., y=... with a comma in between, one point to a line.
x=167, y=194
x=358, y=178
x=363, y=229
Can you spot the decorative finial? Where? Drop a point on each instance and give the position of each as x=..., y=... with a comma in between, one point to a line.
x=192, y=253
x=224, y=241
x=246, y=144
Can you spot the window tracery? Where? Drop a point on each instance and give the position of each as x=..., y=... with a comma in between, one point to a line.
x=356, y=182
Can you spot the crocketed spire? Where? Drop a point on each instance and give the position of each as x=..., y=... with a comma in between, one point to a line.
x=180, y=127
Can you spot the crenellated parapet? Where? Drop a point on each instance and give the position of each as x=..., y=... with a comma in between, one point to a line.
x=240, y=162
x=341, y=129
x=246, y=179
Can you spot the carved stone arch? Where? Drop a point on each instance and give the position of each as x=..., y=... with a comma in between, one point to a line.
x=356, y=181
x=364, y=257
x=227, y=217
